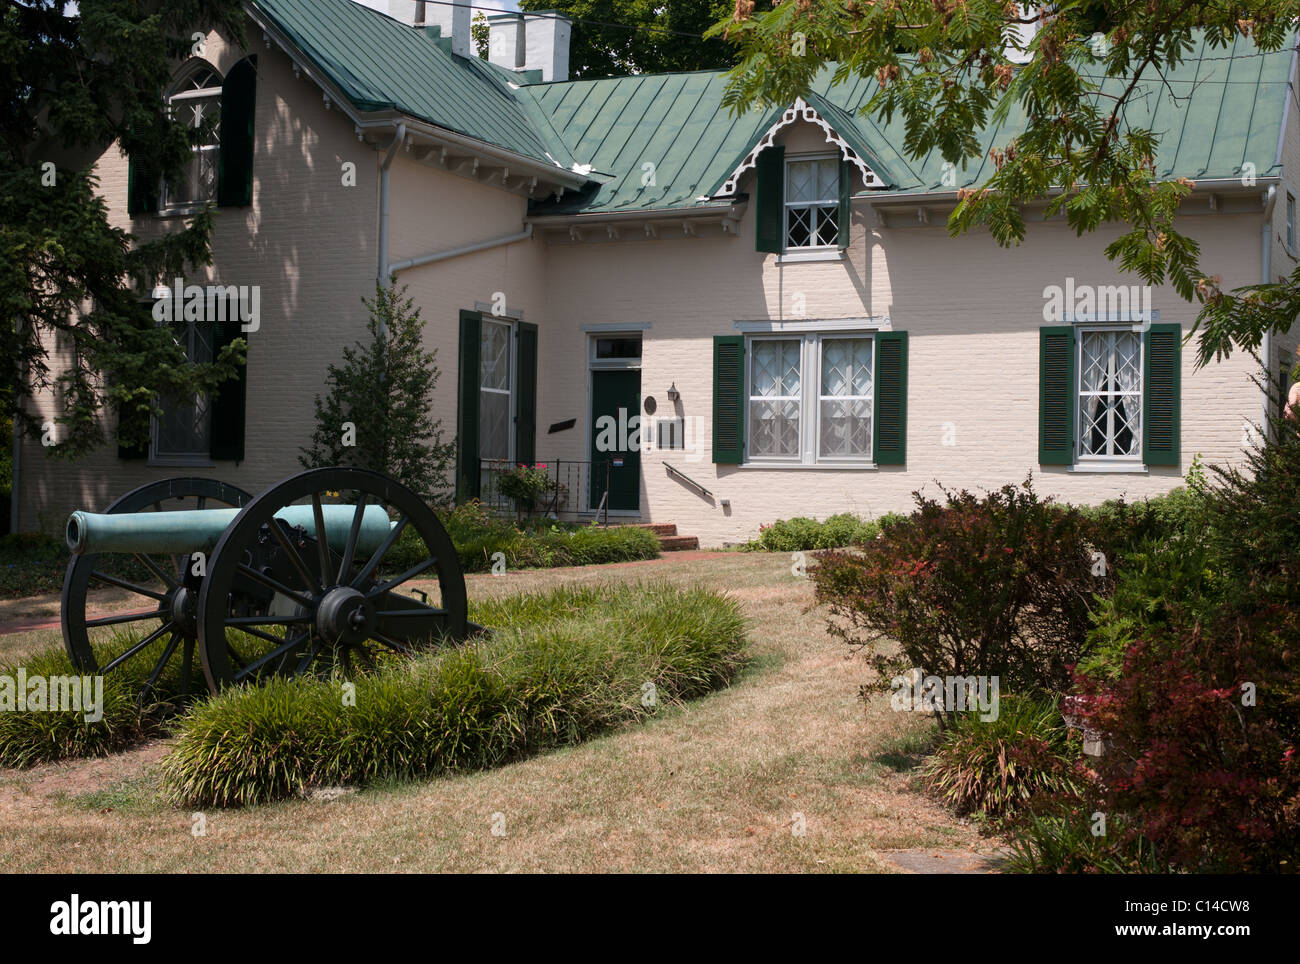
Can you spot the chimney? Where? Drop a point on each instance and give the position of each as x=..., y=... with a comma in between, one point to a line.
x=506, y=40
x=546, y=44
x=531, y=41
x=452, y=20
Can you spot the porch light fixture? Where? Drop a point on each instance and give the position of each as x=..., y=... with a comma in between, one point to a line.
x=673, y=393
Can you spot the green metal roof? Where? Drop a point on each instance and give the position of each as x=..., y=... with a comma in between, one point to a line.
x=382, y=64
x=1219, y=110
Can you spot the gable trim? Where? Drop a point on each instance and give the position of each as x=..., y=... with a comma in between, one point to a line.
x=800, y=110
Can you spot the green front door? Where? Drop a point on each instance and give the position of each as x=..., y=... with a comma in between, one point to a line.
x=615, y=438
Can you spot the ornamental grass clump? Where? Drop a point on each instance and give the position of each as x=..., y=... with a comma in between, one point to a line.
x=31, y=736
x=558, y=670
x=997, y=768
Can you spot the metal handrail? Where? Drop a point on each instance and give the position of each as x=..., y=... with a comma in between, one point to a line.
x=687, y=479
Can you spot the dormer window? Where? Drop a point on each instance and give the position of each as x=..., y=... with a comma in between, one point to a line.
x=812, y=202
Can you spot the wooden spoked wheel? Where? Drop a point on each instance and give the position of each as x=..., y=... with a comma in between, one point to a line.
x=340, y=603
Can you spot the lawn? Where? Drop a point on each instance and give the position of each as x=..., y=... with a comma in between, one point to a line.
x=719, y=784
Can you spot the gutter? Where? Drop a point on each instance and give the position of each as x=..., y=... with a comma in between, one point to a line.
x=1202, y=184
x=732, y=210
x=457, y=252
x=398, y=137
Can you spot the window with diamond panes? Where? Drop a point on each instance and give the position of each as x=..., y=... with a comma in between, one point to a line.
x=812, y=192
x=494, y=391
x=845, y=400
x=197, y=104
x=1110, y=394
x=775, y=398
x=183, y=432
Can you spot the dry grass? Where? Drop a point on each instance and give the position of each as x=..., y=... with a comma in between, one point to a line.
x=712, y=786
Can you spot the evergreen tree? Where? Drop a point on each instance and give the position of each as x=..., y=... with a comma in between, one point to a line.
x=378, y=413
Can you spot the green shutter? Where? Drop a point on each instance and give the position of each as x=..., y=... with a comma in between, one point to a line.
x=728, y=399
x=230, y=404
x=467, y=473
x=1056, y=395
x=889, y=441
x=235, y=157
x=769, y=221
x=1161, y=408
x=526, y=390
x=142, y=183
x=846, y=193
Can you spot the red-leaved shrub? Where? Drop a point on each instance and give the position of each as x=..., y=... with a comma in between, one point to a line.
x=997, y=586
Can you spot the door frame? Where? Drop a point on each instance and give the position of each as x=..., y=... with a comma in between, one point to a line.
x=604, y=365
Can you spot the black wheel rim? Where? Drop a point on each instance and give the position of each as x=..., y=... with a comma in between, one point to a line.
x=337, y=607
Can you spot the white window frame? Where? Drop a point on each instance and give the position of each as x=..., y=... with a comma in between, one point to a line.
x=182, y=90
x=809, y=399
x=791, y=249
x=1108, y=459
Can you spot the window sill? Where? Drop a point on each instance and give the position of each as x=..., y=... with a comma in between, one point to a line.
x=183, y=211
x=1112, y=468
x=175, y=463
x=810, y=256
x=808, y=466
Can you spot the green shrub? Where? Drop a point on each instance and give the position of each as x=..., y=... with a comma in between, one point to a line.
x=996, y=769
x=802, y=534
x=479, y=536
x=1199, y=696
x=993, y=586
x=1063, y=842
x=523, y=690
x=1179, y=517
x=31, y=737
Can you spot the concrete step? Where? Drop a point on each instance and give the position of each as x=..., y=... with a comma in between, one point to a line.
x=660, y=529
x=676, y=543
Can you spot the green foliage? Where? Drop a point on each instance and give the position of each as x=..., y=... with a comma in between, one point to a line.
x=612, y=38
x=804, y=534
x=1063, y=843
x=32, y=564
x=943, y=70
x=32, y=737
x=524, y=690
x=102, y=72
x=481, y=33
x=384, y=389
x=1195, y=684
x=525, y=484
x=995, y=586
x=999, y=768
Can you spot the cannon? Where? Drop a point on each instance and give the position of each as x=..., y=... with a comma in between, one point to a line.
x=324, y=572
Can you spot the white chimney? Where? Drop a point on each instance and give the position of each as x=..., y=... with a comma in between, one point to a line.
x=408, y=12
x=454, y=19
x=546, y=44
x=506, y=40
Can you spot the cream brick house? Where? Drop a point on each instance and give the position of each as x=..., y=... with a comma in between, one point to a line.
x=773, y=297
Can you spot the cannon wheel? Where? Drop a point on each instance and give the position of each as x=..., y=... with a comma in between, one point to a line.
x=334, y=607
x=170, y=601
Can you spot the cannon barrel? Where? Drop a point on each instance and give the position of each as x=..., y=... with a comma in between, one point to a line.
x=198, y=530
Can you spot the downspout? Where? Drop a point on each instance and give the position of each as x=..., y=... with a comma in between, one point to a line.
x=398, y=138
x=1266, y=270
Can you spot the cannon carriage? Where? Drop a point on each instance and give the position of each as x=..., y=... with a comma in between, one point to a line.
x=328, y=570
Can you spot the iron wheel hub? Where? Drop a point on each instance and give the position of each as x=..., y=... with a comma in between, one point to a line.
x=345, y=617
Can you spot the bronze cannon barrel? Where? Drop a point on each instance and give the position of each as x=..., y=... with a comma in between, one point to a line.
x=198, y=530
